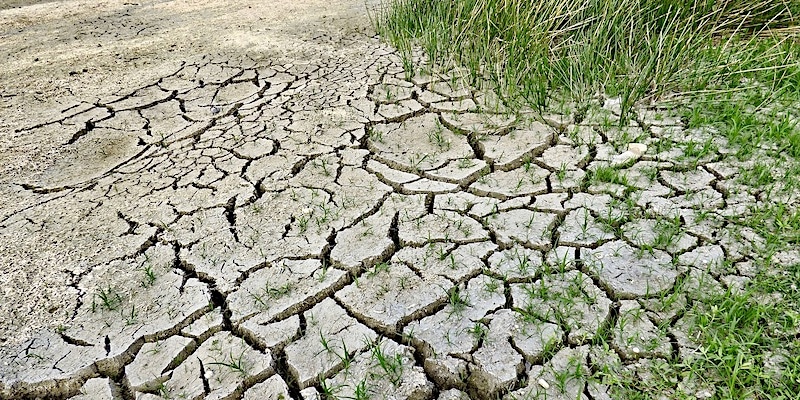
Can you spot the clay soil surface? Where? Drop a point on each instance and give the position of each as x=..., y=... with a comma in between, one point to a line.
x=236, y=199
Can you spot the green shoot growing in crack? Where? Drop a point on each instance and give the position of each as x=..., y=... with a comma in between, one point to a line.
x=131, y=317
x=391, y=365
x=329, y=391
x=464, y=163
x=374, y=134
x=478, y=331
x=457, y=300
x=378, y=268
x=345, y=357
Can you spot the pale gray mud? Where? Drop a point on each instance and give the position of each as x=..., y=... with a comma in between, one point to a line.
x=248, y=199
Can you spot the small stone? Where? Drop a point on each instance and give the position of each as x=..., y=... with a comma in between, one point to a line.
x=637, y=148
x=703, y=394
x=543, y=383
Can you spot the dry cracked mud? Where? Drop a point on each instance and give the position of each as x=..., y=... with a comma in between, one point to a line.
x=250, y=199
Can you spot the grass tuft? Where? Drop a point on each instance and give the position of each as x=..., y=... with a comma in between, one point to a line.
x=535, y=51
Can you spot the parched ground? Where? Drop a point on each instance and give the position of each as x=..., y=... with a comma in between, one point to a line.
x=249, y=199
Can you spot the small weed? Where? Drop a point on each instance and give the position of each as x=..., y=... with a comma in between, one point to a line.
x=131, y=317
x=492, y=286
x=437, y=137
x=237, y=364
x=329, y=391
x=269, y=292
x=478, y=331
x=149, y=276
x=302, y=222
x=374, y=134
x=391, y=365
x=109, y=299
x=464, y=163
x=360, y=392
x=608, y=175
x=378, y=268
x=457, y=301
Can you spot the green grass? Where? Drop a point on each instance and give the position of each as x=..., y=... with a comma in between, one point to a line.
x=740, y=337
x=737, y=340
x=605, y=174
x=108, y=298
x=537, y=51
x=730, y=68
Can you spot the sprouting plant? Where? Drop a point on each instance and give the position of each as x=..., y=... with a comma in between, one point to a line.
x=519, y=185
x=523, y=261
x=391, y=365
x=327, y=214
x=478, y=331
x=345, y=357
x=609, y=175
x=463, y=227
x=584, y=223
x=269, y=292
x=323, y=163
x=322, y=273
x=236, y=363
x=382, y=266
x=451, y=260
x=130, y=317
x=360, y=392
x=109, y=299
x=447, y=337
x=666, y=231
x=492, y=285
x=408, y=335
x=163, y=391
x=561, y=173
x=329, y=391
x=149, y=276
x=417, y=159
x=441, y=251
x=530, y=221
x=302, y=222
x=561, y=379
x=458, y=301
x=403, y=282
x=374, y=134
x=437, y=137
x=324, y=342
x=464, y=163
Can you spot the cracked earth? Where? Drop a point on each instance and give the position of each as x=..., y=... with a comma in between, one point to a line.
x=249, y=200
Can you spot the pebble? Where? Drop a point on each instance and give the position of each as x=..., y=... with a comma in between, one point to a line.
x=543, y=383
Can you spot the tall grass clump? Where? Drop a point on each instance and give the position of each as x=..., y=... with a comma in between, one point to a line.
x=537, y=50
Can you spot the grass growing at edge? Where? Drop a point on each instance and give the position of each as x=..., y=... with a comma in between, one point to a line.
x=534, y=51
x=730, y=66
